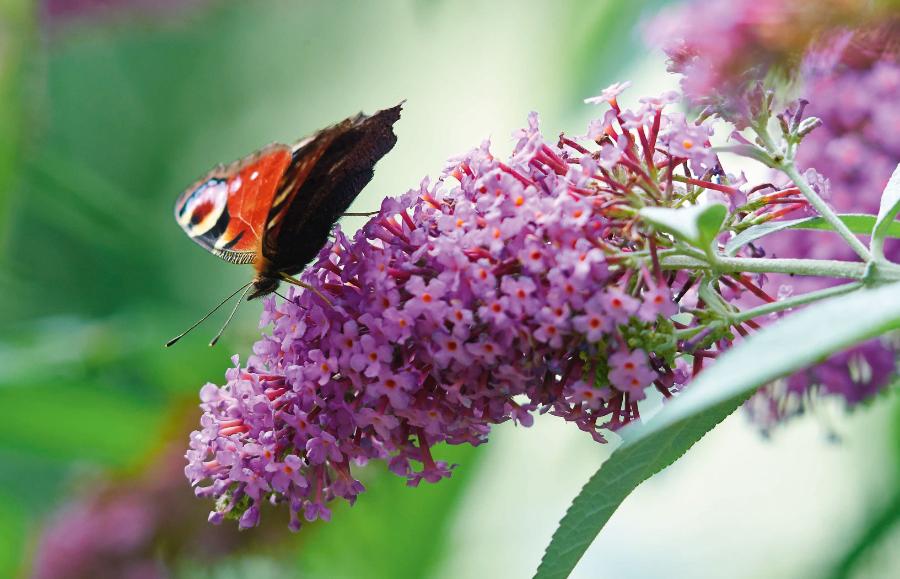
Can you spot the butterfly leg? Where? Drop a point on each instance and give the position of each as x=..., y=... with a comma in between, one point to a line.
x=363, y=214
x=305, y=285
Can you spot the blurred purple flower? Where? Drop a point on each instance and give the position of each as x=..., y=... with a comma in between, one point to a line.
x=135, y=527
x=723, y=48
x=58, y=12
x=858, y=144
x=93, y=538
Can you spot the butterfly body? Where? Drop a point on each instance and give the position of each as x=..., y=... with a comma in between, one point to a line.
x=275, y=208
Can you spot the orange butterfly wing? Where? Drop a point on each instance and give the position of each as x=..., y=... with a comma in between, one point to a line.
x=226, y=211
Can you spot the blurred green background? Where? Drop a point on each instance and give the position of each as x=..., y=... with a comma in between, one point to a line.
x=109, y=108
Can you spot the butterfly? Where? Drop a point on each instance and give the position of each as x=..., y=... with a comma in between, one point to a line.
x=275, y=208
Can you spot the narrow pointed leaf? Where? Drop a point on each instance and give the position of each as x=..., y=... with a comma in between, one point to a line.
x=778, y=350
x=860, y=223
x=627, y=467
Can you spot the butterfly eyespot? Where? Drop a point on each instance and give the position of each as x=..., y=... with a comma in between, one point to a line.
x=203, y=206
x=200, y=211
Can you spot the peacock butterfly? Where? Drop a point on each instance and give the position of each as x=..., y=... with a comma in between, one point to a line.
x=275, y=208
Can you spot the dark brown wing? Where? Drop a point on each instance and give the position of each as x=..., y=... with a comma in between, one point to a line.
x=327, y=172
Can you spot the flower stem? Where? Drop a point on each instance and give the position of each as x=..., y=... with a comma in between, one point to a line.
x=789, y=169
x=810, y=267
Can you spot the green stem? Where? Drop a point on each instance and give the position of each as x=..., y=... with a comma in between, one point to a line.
x=810, y=267
x=761, y=128
x=795, y=301
x=789, y=169
x=730, y=319
x=687, y=333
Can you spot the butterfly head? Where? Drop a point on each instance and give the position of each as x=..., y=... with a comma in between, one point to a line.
x=263, y=286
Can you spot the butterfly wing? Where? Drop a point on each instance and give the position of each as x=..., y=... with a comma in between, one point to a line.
x=326, y=173
x=225, y=211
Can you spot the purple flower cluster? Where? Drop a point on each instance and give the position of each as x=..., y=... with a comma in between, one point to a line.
x=498, y=291
x=724, y=51
x=717, y=46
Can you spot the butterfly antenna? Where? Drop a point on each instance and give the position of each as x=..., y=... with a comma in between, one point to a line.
x=209, y=313
x=230, y=316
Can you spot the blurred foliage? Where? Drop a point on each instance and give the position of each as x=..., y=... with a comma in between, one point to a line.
x=607, y=37
x=397, y=531
x=16, y=37
x=883, y=521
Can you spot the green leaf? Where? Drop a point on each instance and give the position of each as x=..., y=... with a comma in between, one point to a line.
x=697, y=225
x=890, y=206
x=630, y=465
x=802, y=339
x=860, y=223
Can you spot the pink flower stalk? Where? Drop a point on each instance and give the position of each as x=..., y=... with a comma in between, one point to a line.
x=500, y=290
